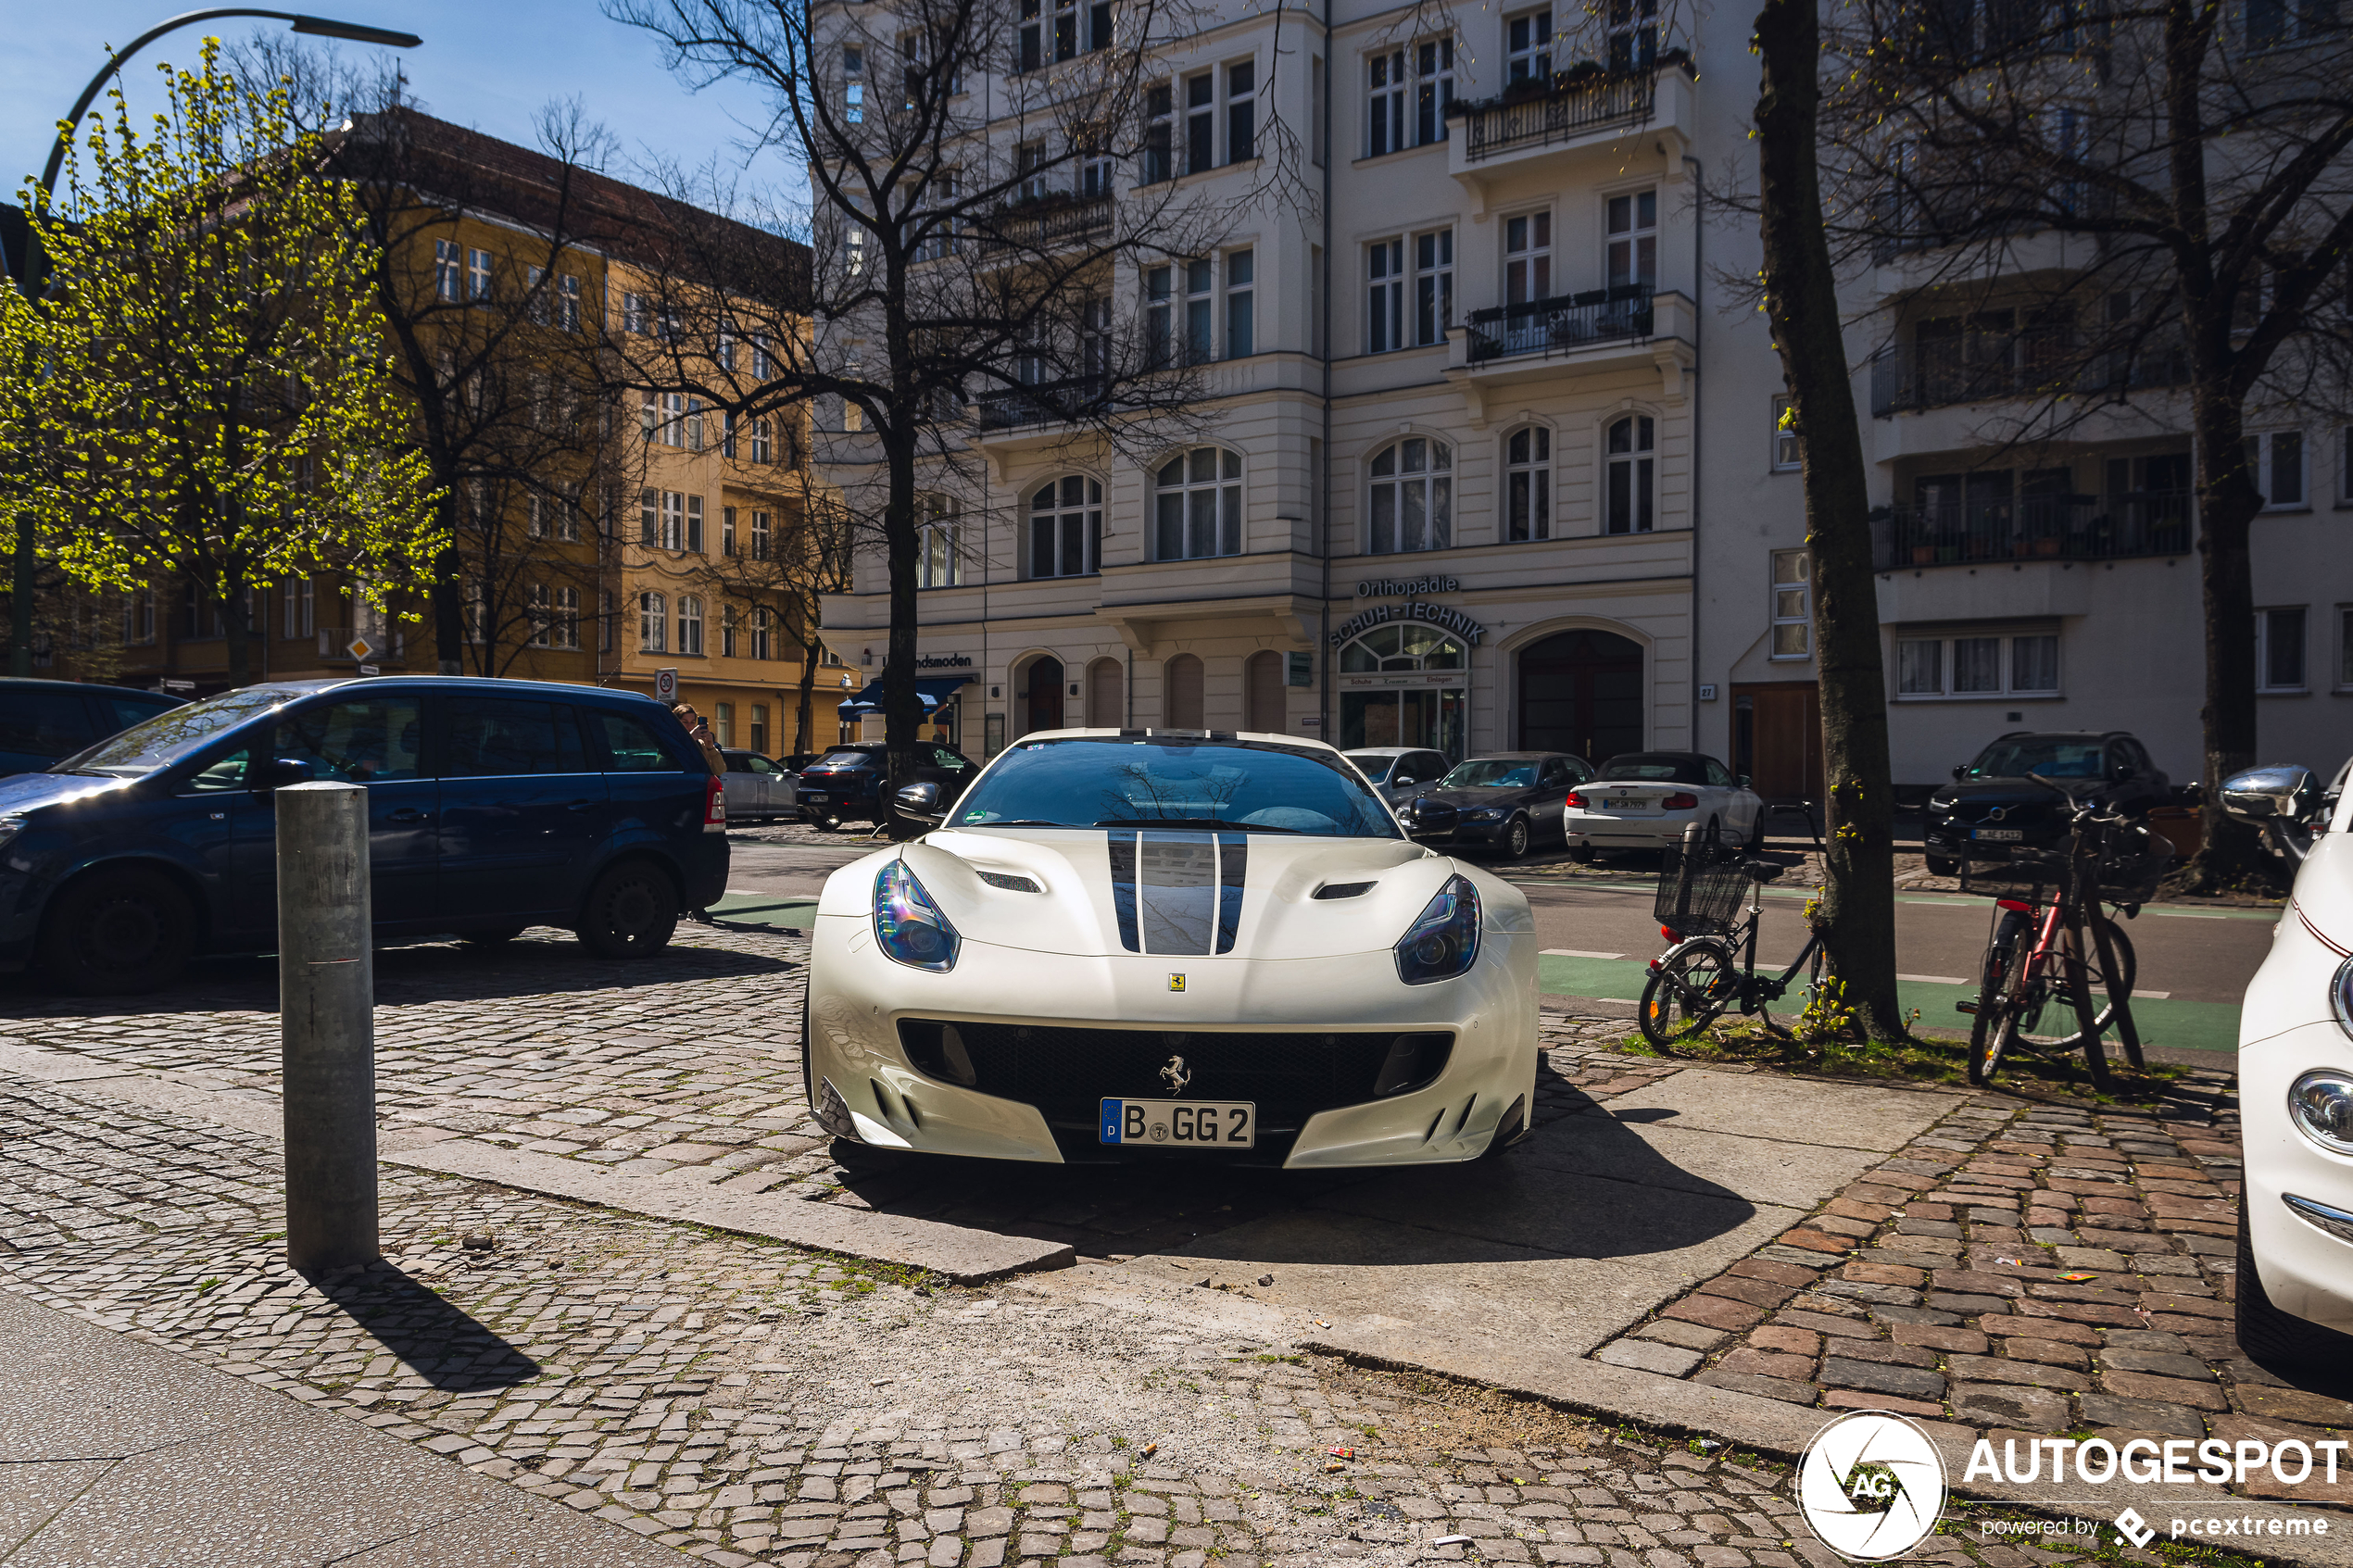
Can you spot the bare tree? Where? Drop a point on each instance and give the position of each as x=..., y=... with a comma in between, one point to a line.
x=963, y=245
x=2105, y=199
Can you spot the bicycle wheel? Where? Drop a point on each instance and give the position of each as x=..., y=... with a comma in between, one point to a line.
x=2104, y=1006
x=1687, y=992
x=1990, y=1030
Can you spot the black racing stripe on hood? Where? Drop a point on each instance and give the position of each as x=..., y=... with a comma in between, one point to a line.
x=1233, y=869
x=1123, y=887
x=1179, y=892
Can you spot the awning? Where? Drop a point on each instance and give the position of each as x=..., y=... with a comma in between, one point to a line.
x=933, y=689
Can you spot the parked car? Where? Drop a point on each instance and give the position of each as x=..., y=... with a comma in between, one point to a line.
x=2288, y=803
x=1399, y=772
x=846, y=785
x=2294, y=1273
x=492, y=806
x=1994, y=805
x=1645, y=799
x=1504, y=801
x=41, y=720
x=1212, y=949
x=758, y=790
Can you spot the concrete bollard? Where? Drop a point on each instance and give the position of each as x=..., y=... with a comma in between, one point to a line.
x=326, y=1002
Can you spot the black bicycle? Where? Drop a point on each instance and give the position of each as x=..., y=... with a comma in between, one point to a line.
x=1711, y=969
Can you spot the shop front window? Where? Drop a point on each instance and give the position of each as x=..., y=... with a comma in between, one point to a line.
x=1404, y=686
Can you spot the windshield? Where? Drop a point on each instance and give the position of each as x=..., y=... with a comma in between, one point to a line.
x=841, y=760
x=170, y=735
x=2047, y=755
x=1493, y=773
x=1655, y=768
x=1079, y=784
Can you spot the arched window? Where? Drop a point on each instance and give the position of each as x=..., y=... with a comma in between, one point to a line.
x=763, y=632
x=1405, y=684
x=690, y=625
x=1631, y=506
x=1066, y=527
x=1199, y=506
x=1182, y=701
x=653, y=623
x=1527, y=485
x=1413, y=496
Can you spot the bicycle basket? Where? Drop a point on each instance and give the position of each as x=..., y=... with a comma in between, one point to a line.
x=2137, y=861
x=1701, y=897
x=2022, y=878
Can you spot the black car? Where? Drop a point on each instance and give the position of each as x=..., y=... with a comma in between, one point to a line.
x=41, y=720
x=846, y=784
x=1994, y=805
x=1504, y=800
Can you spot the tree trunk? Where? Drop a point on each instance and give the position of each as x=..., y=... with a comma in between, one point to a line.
x=1856, y=913
x=236, y=627
x=448, y=594
x=2228, y=503
x=807, y=717
x=902, y=708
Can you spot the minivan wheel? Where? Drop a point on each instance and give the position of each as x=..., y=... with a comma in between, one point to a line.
x=631, y=913
x=118, y=932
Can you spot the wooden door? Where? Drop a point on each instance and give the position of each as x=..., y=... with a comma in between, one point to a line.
x=1777, y=739
x=1105, y=700
x=1181, y=703
x=1581, y=693
x=1045, y=696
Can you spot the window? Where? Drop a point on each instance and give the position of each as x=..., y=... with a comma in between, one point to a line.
x=1065, y=527
x=301, y=611
x=1201, y=311
x=371, y=741
x=1199, y=505
x=653, y=623
x=726, y=530
x=633, y=313
x=1633, y=34
x=478, y=276
x=649, y=516
x=1094, y=335
x=1792, y=604
x=1634, y=240
x=2276, y=24
x=1160, y=342
x=762, y=366
x=1979, y=665
x=477, y=612
x=1433, y=89
x=1030, y=170
x=1048, y=35
x=1426, y=72
x=1094, y=168
x=1200, y=123
x=759, y=735
x=1159, y=160
x=447, y=257
x=763, y=632
x=2275, y=461
x=1433, y=285
x=567, y=303
x=694, y=425
x=853, y=88
x=673, y=520
x=562, y=626
x=693, y=524
x=1788, y=456
x=1241, y=107
x=730, y=630
x=1527, y=257
x=723, y=722
x=634, y=745
x=1385, y=120
x=1527, y=485
x=938, y=562
x=2279, y=649
x=760, y=535
x=1633, y=482
x=690, y=625
x=1240, y=324
x=1527, y=40
x=1385, y=294
x=540, y=617
x=139, y=616
x=762, y=451
x=535, y=288
x=1412, y=496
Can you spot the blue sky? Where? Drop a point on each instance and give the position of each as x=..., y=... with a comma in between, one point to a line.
x=487, y=64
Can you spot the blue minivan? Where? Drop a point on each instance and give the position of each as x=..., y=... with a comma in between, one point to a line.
x=492, y=806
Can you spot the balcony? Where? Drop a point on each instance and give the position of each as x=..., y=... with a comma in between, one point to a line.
x=1563, y=324
x=1943, y=372
x=1588, y=108
x=1033, y=408
x=1600, y=331
x=2067, y=528
x=1046, y=223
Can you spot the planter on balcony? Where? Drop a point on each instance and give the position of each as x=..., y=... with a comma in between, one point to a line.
x=1923, y=555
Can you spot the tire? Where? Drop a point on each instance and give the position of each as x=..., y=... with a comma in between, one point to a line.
x=498, y=938
x=2126, y=960
x=1515, y=840
x=2281, y=1342
x=118, y=933
x=631, y=913
x=1582, y=854
x=1716, y=834
x=1756, y=843
x=1687, y=992
x=826, y=823
x=1992, y=1031
x=1939, y=866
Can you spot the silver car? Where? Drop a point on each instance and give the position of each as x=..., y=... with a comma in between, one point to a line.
x=759, y=789
x=1399, y=772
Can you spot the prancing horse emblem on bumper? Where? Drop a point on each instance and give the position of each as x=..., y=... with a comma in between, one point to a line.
x=1177, y=1075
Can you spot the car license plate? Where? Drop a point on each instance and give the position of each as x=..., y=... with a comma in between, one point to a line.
x=813, y=797
x=1999, y=836
x=1180, y=1124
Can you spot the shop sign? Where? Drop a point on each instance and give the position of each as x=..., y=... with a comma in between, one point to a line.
x=943, y=662
x=1404, y=587
x=1443, y=616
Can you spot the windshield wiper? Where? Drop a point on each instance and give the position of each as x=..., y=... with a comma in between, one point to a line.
x=1023, y=822
x=1210, y=822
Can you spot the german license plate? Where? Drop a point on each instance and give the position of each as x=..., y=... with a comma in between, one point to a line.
x=1627, y=802
x=813, y=799
x=1998, y=835
x=1180, y=1124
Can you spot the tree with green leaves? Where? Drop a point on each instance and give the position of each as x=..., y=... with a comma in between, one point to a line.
x=218, y=405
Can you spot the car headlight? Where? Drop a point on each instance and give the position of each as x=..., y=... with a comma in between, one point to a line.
x=10, y=828
x=1940, y=804
x=2340, y=991
x=908, y=925
x=1443, y=941
x=1487, y=814
x=2321, y=1104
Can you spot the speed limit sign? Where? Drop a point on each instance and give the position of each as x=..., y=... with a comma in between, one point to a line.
x=666, y=686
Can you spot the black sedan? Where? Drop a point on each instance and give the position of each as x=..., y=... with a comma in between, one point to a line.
x=846, y=784
x=1994, y=805
x=1503, y=801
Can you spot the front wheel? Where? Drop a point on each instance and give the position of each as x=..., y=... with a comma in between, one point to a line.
x=1939, y=866
x=2280, y=1341
x=1991, y=1033
x=115, y=932
x=1516, y=838
x=631, y=913
x=2128, y=966
x=1688, y=991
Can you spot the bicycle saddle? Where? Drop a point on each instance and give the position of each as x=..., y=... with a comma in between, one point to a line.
x=1762, y=870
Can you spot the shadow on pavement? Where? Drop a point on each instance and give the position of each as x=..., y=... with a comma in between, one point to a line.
x=436, y=1340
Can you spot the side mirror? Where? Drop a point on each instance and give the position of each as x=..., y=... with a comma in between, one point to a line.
x=276, y=773
x=1403, y=782
x=922, y=802
x=2288, y=792
x=1744, y=780
x=1961, y=769
x=2123, y=772
x=1425, y=818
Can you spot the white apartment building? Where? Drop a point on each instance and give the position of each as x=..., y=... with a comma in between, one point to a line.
x=1490, y=460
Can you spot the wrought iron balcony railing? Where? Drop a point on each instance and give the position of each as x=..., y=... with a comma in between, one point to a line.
x=1941, y=372
x=1562, y=324
x=1572, y=105
x=1047, y=226
x=2114, y=527
x=1048, y=402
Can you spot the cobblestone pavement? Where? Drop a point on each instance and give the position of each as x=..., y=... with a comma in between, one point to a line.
x=752, y=1404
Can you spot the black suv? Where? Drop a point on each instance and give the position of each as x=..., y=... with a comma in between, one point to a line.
x=1993, y=806
x=844, y=785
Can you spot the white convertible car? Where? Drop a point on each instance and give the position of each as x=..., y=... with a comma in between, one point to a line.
x=1171, y=944
x=2296, y=1098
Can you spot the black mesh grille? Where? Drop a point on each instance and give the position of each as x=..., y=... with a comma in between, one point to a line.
x=1066, y=1071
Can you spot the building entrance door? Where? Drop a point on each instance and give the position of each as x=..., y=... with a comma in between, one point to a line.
x=1045, y=696
x=1581, y=693
x=1777, y=739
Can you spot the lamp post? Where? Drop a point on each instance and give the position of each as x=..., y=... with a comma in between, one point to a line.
x=27, y=276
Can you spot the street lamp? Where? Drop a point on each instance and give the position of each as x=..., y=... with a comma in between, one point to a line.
x=27, y=275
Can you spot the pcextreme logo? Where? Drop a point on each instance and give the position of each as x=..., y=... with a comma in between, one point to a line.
x=1872, y=1486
